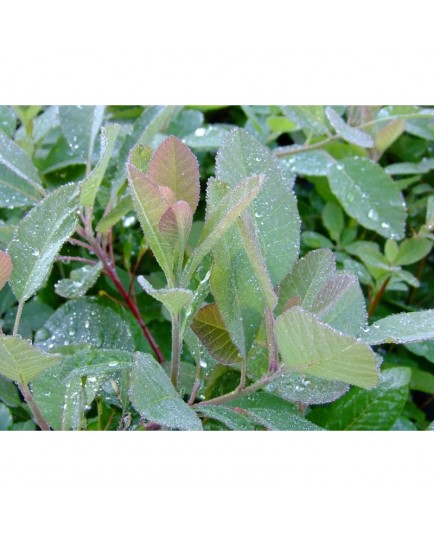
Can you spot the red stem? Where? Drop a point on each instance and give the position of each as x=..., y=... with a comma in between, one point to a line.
x=377, y=298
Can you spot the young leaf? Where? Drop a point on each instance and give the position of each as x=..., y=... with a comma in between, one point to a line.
x=309, y=118
x=174, y=165
x=20, y=185
x=5, y=268
x=272, y=412
x=274, y=210
x=307, y=345
x=79, y=282
x=369, y=195
x=20, y=361
x=90, y=185
x=38, y=238
x=175, y=226
x=333, y=218
x=347, y=132
x=402, y=328
x=154, y=397
x=80, y=126
x=208, y=325
x=150, y=202
x=222, y=218
x=377, y=409
x=174, y=299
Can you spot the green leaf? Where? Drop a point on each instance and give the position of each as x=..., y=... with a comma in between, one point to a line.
x=234, y=283
x=8, y=121
x=430, y=212
x=20, y=361
x=309, y=275
x=412, y=250
x=38, y=238
x=422, y=381
x=229, y=417
x=411, y=168
x=90, y=185
x=315, y=240
x=305, y=388
x=209, y=327
x=80, y=126
x=272, y=412
x=154, y=397
x=174, y=166
x=369, y=195
x=424, y=349
x=221, y=218
x=79, y=282
x=208, y=138
x=309, y=346
x=333, y=219
x=347, y=132
x=63, y=392
x=274, y=210
x=5, y=268
x=85, y=321
x=310, y=118
x=5, y=418
x=174, y=299
x=402, y=328
x=20, y=185
x=391, y=250
x=311, y=163
x=122, y=208
x=377, y=409
x=9, y=393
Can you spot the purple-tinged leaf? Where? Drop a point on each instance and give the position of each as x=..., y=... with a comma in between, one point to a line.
x=5, y=268
x=174, y=165
x=175, y=226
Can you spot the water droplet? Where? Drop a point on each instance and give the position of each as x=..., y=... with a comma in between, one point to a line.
x=35, y=252
x=372, y=214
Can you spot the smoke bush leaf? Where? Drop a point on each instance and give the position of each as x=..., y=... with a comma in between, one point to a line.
x=5, y=268
x=20, y=185
x=412, y=250
x=90, y=185
x=122, y=208
x=79, y=282
x=174, y=299
x=20, y=361
x=377, y=409
x=402, y=328
x=229, y=417
x=38, y=238
x=175, y=226
x=154, y=397
x=347, y=132
x=309, y=118
x=309, y=346
x=274, y=210
x=369, y=195
x=208, y=325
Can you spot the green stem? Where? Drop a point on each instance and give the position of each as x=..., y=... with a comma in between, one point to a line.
x=273, y=354
x=41, y=422
x=176, y=350
x=18, y=318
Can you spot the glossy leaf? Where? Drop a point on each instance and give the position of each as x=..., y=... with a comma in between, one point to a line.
x=90, y=185
x=38, y=238
x=402, y=328
x=274, y=210
x=154, y=397
x=359, y=409
x=369, y=195
x=309, y=346
x=20, y=185
x=5, y=268
x=20, y=361
x=174, y=166
x=347, y=132
x=85, y=321
x=272, y=412
x=80, y=126
x=174, y=299
x=79, y=281
x=208, y=325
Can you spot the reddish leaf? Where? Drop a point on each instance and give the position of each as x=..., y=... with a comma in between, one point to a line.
x=5, y=268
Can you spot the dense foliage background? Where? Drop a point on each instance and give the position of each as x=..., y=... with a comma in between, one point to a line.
x=378, y=223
